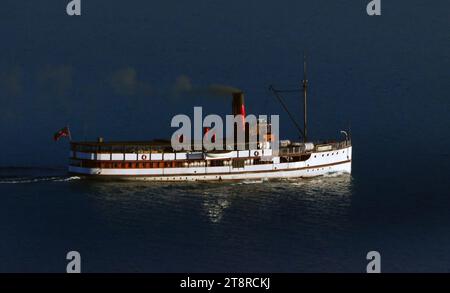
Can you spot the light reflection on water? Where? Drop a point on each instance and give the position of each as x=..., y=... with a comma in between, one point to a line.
x=328, y=195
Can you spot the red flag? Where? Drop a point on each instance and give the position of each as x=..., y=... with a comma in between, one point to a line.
x=61, y=133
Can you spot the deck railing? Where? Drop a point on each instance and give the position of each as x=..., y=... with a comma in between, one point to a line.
x=319, y=146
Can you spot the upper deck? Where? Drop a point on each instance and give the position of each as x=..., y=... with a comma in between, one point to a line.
x=157, y=146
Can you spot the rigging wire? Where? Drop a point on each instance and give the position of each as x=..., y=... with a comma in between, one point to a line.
x=280, y=99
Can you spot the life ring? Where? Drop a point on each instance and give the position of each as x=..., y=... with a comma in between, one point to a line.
x=144, y=157
x=256, y=153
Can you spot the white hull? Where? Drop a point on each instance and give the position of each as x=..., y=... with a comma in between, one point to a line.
x=320, y=163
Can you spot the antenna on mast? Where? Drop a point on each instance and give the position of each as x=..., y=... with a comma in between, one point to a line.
x=305, y=86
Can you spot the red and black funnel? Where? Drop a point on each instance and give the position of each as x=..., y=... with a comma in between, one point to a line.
x=238, y=106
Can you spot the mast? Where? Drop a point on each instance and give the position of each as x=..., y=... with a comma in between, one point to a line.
x=305, y=86
x=304, y=82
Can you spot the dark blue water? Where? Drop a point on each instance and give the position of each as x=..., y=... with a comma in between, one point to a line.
x=122, y=71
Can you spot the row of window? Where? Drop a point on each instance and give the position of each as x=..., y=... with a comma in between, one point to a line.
x=318, y=169
x=238, y=163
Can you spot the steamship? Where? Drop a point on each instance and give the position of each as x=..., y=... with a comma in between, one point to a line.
x=157, y=160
